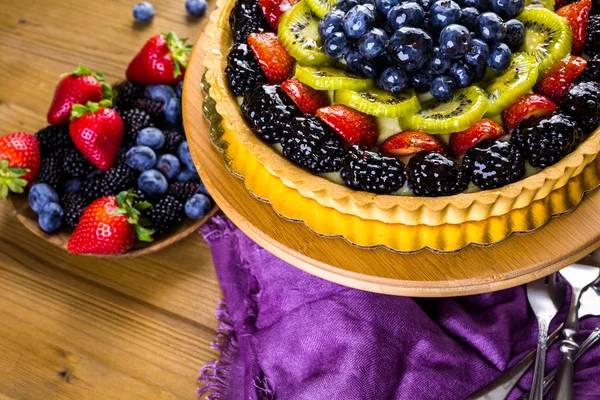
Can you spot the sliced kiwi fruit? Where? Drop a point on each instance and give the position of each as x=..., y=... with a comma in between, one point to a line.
x=380, y=103
x=460, y=112
x=321, y=7
x=298, y=32
x=547, y=36
x=513, y=83
x=549, y=4
x=327, y=78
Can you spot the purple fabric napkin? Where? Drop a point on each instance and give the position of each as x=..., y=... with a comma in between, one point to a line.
x=285, y=334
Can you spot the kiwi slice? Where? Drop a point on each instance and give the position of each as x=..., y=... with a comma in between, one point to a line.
x=380, y=103
x=327, y=78
x=321, y=7
x=462, y=111
x=549, y=4
x=298, y=32
x=513, y=83
x=547, y=36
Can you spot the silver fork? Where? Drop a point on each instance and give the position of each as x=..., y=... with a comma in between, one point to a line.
x=545, y=300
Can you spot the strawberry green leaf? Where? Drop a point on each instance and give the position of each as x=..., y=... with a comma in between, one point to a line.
x=143, y=234
x=10, y=179
x=179, y=52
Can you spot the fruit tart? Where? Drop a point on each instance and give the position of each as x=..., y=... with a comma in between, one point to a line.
x=417, y=112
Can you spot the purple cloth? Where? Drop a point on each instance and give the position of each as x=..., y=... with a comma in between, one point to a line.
x=285, y=334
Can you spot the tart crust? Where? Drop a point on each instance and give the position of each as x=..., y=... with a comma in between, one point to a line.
x=406, y=210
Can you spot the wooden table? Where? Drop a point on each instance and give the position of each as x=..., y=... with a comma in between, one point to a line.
x=84, y=328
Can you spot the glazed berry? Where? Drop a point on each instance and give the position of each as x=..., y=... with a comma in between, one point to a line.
x=165, y=214
x=508, y=9
x=479, y=53
x=500, y=56
x=360, y=65
x=405, y=14
x=468, y=18
x=491, y=27
x=332, y=22
x=246, y=17
x=169, y=165
x=394, y=80
x=153, y=183
x=373, y=44
x=50, y=217
x=444, y=13
x=494, y=164
x=359, y=20
x=195, y=8
x=197, y=206
x=73, y=204
x=151, y=137
x=243, y=71
x=439, y=63
x=143, y=12
x=442, y=87
x=592, y=70
x=140, y=158
x=134, y=121
x=53, y=138
x=372, y=172
x=410, y=47
x=173, y=111
x=40, y=194
x=75, y=164
x=462, y=73
x=269, y=111
x=184, y=155
x=337, y=45
x=455, y=41
x=313, y=145
x=421, y=80
x=592, y=43
x=515, y=34
x=432, y=174
x=583, y=105
x=161, y=93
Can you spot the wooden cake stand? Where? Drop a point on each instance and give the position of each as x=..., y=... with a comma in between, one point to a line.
x=519, y=259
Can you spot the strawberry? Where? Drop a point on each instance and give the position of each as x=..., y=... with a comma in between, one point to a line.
x=577, y=14
x=352, y=125
x=307, y=99
x=528, y=106
x=19, y=162
x=460, y=142
x=409, y=142
x=77, y=87
x=273, y=9
x=97, y=132
x=557, y=82
x=163, y=59
x=273, y=58
x=109, y=226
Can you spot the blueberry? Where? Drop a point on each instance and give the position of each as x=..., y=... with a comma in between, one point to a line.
x=183, y=153
x=425, y=4
x=480, y=71
x=508, y=9
x=394, y=80
x=179, y=89
x=173, y=110
x=143, y=12
x=140, y=158
x=346, y=5
x=455, y=41
x=337, y=45
x=373, y=43
x=332, y=22
x=410, y=47
x=499, y=59
x=72, y=185
x=197, y=206
x=468, y=18
x=153, y=183
x=95, y=172
x=439, y=63
x=405, y=14
x=169, y=165
x=462, y=73
x=188, y=175
x=479, y=53
x=444, y=13
x=480, y=5
x=196, y=8
x=360, y=65
x=40, y=194
x=442, y=87
x=151, y=137
x=384, y=6
x=50, y=217
x=203, y=189
x=515, y=34
x=160, y=93
x=491, y=27
x=421, y=80
x=358, y=21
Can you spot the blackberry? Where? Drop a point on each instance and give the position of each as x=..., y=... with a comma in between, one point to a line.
x=92, y=187
x=243, y=71
x=370, y=171
x=313, y=145
x=75, y=164
x=118, y=178
x=128, y=94
x=173, y=139
x=165, y=214
x=182, y=191
x=141, y=196
x=592, y=43
x=51, y=171
x=73, y=204
x=134, y=121
x=432, y=174
x=494, y=164
x=583, y=105
x=549, y=140
x=270, y=111
x=155, y=109
x=592, y=70
x=246, y=17
x=53, y=138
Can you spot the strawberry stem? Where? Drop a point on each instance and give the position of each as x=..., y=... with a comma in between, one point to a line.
x=107, y=90
x=133, y=213
x=79, y=110
x=10, y=179
x=179, y=52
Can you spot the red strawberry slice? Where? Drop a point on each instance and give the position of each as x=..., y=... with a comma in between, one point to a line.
x=410, y=142
x=460, y=142
x=307, y=99
x=273, y=58
x=353, y=126
x=273, y=9
x=528, y=106
x=557, y=82
x=19, y=162
x=577, y=14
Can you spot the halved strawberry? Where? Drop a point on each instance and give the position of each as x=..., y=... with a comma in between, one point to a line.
x=528, y=106
x=410, y=142
x=460, y=142
x=273, y=9
x=557, y=82
x=577, y=14
x=354, y=126
x=273, y=58
x=307, y=99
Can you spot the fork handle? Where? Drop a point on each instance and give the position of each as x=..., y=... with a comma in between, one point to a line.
x=537, y=385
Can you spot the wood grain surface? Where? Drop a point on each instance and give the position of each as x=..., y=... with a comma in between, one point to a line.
x=77, y=327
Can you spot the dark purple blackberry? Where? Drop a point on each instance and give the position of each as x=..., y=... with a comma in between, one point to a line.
x=592, y=70
x=592, y=43
x=182, y=191
x=270, y=111
x=243, y=71
x=51, y=171
x=155, y=109
x=494, y=164
x=246, y=17
x=73, y=204
x=583, y=105
x=134, y=121
x=128, y=94
x=92, y=188
x=432, y=174
x=311, y=144
x=548, y=141
x=372, y=172
x=75, y=164
x=173, y=139
x=118, y=178
x=53, y=138
x=165, y=214
x=141, y=196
